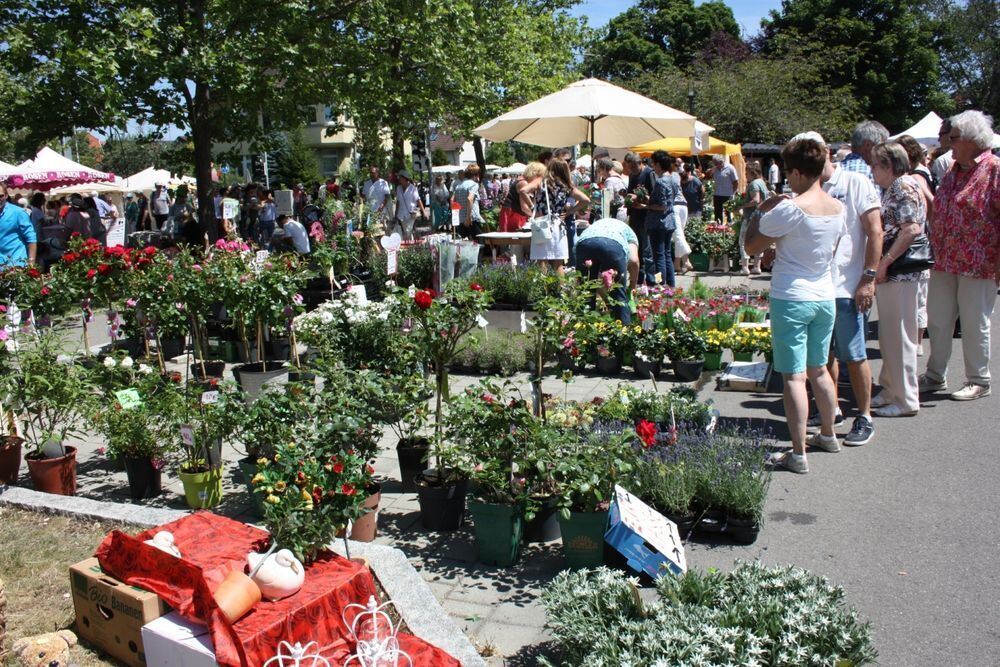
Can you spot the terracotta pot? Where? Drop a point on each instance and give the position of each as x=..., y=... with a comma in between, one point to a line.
x=236, y=595
x=365, y=527
x=56, y=475
x=10, y=459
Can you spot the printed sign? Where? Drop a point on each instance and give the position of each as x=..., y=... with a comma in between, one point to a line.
x=116, y=234
x=209, y=397
x=230, y=209
x=392, y=259
x=455, y=220
x=187, y=435
x=128, y=399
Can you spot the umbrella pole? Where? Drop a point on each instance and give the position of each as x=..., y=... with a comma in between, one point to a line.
x=593, y=147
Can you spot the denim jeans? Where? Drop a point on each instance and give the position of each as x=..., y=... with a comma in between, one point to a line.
x=662, y=248
x=571, y=239
x=605, y=254
x=646, y=269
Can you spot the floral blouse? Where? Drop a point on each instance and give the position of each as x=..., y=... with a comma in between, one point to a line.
x=966, y=231
x=902, y=204
x=557, y=197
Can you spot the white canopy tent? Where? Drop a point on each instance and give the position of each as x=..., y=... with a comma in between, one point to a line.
x=514, y=169
x=87, y=188
x=7, y=168
x=925, y=131
x=447, y=169
x=50, y=170
x=147, y=179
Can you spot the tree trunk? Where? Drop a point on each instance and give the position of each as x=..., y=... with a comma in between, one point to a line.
x=398, y=150
x=477, y=143
x=201, y=136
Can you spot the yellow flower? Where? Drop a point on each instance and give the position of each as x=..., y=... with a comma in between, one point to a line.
x=262, y=461
x=257, y=479
x=306, y=495
x=279, y=486
x=273, y=500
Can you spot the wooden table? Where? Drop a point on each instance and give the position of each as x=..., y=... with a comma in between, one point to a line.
x=503, y=239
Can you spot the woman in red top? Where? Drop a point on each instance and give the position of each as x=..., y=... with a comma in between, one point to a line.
x=965, y=237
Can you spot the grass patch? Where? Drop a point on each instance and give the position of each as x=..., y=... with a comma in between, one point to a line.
x=37, y=552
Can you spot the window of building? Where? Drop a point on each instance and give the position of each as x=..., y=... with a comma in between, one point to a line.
x=329, y=160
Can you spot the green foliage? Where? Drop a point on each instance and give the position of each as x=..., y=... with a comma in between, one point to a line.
x=630, y=404
x=296, y=161
x=499, y=354
x=438, y=158
x=500, y=153
x=80, y=148
x=127, y=155
x=582, y=467
x=272, y=418
x=753, y=615
x=684, y=344
x=969, y=58
x=513, y=285
x=415, y=266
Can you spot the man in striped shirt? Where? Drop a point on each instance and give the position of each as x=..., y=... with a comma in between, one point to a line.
x=865, y=136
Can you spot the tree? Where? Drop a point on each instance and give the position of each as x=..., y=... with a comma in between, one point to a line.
x=438, y=157
x=881, y=50
x=970, y=53
x=499, y=153
x=655, y=34
x=296, y=162
x=222, y=69
x=82, y=148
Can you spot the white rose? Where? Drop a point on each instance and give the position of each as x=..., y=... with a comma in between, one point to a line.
x=109, y=362
x=11, y=345
x=325, y=318
x=127, y=362
x=144, y=369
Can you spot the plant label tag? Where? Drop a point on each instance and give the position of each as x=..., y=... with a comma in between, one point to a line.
x=658, y=278
x=513, y=261
x=262, y=256
x=128, y=399
x=209, y=397
x=681, y=315
x=392, y=262
x=455, y=220
x=187, y=435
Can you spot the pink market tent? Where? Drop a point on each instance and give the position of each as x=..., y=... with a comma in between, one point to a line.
x=51, y=170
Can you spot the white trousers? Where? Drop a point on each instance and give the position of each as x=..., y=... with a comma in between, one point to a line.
x=897, y=342
x=681, y=247
x=971, y=300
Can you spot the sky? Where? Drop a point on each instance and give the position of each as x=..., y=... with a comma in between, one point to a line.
x=748, y=13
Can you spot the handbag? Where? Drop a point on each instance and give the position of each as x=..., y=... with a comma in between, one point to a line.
x=918, y=257
x=541, y=225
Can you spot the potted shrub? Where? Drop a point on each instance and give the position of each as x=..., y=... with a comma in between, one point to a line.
x=50, y=392
x=126, y=410
x=607, y=343
x=491, y=425
x=742, y=343
x=649, y=349
x=665, y=474
x=686, y=349
x=405, y=412
x=743, y=481
x=715, y=340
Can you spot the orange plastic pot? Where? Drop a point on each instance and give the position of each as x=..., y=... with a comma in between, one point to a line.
x=56, y=475
x=237, y=595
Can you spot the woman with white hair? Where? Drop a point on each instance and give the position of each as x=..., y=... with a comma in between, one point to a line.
x=966, y=241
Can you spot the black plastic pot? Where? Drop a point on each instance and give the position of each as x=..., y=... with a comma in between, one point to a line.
x=302, y=377
x=544, y=526
x=134, y=347
x=441, y=507
x=144, y=480
x=281, y=349
x=609, y=365
x=248, y=468
x=712, y=521
x=411, y=455
x=688, y=371
x=171, y=347
x=742, y=531
x=644, y=368
x=685, y=522
x=213, y=369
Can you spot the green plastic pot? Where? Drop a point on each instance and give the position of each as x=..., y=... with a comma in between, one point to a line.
x=713, y=361
x=202, y=489
x=583, y=538
x=498, y=532
x=699, y=261
x=742, y=356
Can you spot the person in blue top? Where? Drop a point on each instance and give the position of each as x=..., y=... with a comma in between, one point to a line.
x=660, y=223
x=18, y=242
x=610, y=244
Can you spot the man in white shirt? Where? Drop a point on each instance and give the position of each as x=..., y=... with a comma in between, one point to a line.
x=943, y=163
x=774, y=177
x=725, y=180
x=376, y=192
x=855, y=262
x=407, y=205
x=294, y=234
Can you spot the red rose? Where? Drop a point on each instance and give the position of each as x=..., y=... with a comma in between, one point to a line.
x=149, y=251
x=646, y=430
x=104, y=269
x=34, y=273
x=91, y=273
x=301, y=476
x=338, y=467
x=347, y=489
x=70, y=257
x=45, y=291
x=424, y=298
x=476, y=287
x=317, y=494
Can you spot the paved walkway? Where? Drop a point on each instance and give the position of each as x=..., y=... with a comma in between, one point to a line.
x=905, y=524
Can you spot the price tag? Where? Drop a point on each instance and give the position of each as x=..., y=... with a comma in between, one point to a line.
x=128, y=398
x=391, y=257
x=209, y=397
x=455, y=220
x=262, y=256
x=187, y=435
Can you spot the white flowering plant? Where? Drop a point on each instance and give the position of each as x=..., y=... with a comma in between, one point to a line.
x=752, y=616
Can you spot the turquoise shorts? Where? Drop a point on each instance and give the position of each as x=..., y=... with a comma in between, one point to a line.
x=800, y=334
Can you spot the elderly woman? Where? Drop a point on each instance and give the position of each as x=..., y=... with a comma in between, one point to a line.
x=756, y=194
x=904, y=216
x=922, y=177
x=966, y=242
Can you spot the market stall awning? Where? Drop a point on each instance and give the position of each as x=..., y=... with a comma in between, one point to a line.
x=925, y=131
x=447, y=169
x=51, y=170
x=146, y=180
x=690, y=145
x=516, y=168
x=87, y=188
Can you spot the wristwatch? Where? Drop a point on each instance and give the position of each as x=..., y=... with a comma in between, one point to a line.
x=869, y=274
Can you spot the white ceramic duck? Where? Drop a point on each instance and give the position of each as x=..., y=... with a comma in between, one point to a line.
x=164, y=541
x=278, y=575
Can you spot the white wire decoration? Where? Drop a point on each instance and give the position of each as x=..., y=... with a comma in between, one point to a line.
x=298, y=656
x=375, y=637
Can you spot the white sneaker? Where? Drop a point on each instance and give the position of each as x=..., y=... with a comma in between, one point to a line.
x=970, y=392
x=828, y=443
x=790, y=461
x=925, y=384
x=920, y=350
x=879, y=401
x=894, y=410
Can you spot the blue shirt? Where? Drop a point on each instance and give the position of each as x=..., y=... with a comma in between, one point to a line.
x=610, y=228
x=462, y=192
x=856, y=163
x=16, y=232
x=664, y=193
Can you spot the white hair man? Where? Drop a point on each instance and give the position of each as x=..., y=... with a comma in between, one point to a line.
x=865, y=136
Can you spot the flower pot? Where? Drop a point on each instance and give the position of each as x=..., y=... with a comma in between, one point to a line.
x=441, y=507
x=609, y=365
x=202, y=489
x=10, y=459
x=133, y=347
x=365, y=527
x=411, y=453
x=685, y=522
x=117, y=464
x=498, y=532
x=227, y=350
x=568, y=362
x=712, y=521
x=144, y=480
x=252, y=377
x=236, y=595
x=213, y=369
x=54, y=475
x=718, y=263
x=247, y=356
x=688, y=370
x=583, y=538
x=643, y=368
x=249, y=468
x=699, y=261
x=742, y=531
x=713, y=361
x=544, y=526
x=171, y=347
x=280, y=349
x=742, y=356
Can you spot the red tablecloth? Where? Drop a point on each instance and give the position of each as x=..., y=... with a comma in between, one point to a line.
x=211, y=546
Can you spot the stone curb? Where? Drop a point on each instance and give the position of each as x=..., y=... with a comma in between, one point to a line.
x=413, y=599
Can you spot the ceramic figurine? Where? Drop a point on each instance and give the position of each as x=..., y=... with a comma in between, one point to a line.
x=278, y=575
x=164, y=541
